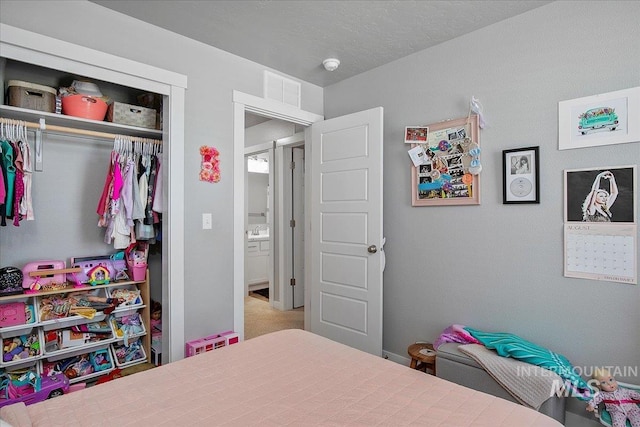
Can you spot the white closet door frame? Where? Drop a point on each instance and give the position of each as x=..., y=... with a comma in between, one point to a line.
x=33, y=48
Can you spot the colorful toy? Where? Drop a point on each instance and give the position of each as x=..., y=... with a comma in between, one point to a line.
x=19, y=348
x=98, y=275
x=12, y=314
x=115, y=264
x=75, y=367
x=621, y=403
x=51, y=274
x=100, y=360
x=37, y=389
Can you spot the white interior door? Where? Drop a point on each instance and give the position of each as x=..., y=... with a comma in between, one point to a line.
x=297, y=240
x=346, y=230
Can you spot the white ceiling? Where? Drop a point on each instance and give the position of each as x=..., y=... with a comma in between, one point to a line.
x=294, y=37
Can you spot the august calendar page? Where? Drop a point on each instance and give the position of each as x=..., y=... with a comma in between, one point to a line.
x=600, y=230
x=601, y=252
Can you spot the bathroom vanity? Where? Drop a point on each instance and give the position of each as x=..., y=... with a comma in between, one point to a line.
x=257, y=261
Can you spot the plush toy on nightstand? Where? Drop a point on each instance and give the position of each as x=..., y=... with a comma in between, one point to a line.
x=621, y=403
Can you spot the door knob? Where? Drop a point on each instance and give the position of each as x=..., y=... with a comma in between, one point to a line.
x=372, y=249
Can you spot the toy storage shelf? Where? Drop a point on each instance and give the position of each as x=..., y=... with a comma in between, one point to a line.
x=139, y=306
x=75, y=351
x=59, y=365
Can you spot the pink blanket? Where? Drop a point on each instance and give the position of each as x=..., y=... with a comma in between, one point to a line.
x=290, y=377
x=455, y=333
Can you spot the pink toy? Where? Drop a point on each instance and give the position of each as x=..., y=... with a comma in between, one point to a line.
x=205, y=344
x=28, y=281
x=12, y=314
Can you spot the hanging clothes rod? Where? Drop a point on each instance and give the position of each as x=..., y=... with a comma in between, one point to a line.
x=65, y=129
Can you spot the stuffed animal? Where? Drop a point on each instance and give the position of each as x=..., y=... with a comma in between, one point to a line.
x=621, y=403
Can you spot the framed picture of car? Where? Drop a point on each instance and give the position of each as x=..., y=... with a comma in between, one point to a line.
x=609, y=118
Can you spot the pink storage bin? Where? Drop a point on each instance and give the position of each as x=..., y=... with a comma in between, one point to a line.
x=138, y=272
x=84, y=106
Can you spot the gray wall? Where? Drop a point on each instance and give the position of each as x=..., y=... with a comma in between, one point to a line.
x=496, y=267
x=212, y=76
x=500, y=267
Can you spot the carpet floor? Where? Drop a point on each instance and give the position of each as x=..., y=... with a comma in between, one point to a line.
x=260, y=318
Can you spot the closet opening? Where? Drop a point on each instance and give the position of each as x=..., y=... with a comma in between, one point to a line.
x=71, y=156
x=35, y=50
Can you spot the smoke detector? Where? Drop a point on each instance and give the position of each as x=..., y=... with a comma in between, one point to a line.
x=331, y=64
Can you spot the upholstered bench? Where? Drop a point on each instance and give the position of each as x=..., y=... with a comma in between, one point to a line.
x=457, y=367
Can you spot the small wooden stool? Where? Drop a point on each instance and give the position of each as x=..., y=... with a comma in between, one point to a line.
x=423, y=357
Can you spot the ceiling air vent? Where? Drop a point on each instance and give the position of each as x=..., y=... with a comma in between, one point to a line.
x=281, y=89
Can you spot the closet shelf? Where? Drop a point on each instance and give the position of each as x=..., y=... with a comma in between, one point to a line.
x=78, y=123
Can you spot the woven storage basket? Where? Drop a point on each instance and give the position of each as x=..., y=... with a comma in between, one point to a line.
x=31, y=96
x=132, y=115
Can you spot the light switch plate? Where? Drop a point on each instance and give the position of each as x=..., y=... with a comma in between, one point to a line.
x=206, y=221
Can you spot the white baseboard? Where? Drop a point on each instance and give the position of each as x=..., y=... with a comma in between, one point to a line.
x=403, y=360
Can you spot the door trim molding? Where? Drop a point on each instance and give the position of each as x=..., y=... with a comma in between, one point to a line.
x=243, y=102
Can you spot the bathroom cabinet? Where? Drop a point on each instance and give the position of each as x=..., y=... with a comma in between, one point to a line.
x=257, y=260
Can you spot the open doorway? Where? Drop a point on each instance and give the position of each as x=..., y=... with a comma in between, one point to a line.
x=343, y=164
x=274, y=226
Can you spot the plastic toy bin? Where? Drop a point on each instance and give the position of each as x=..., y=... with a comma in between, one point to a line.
x=21, y=349
x=82, y=366
x=55, y=311
x=127, y=326
x=129, y=355
x=130, y=295
x=17, y=317
x=138, y=271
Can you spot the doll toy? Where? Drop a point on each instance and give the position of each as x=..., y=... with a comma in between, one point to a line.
x=621, y=403
x=156, y=315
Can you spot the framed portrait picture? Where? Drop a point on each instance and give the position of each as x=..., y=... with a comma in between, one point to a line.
x=416, y=134
x=602, y=195
x=450, y=171
x=609, y=118
x=521, y=175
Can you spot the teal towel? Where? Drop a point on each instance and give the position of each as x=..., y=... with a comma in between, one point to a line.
x=509, y=345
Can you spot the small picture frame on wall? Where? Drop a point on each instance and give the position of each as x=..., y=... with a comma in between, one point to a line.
x=521, y=175
x=416, y=134
x=604, y=119
x=604, y=194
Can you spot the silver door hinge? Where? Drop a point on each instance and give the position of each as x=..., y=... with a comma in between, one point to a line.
x=292, y=223
x=292, y=281
x=292, y=165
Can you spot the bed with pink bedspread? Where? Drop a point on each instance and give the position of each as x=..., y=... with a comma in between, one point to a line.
x=290, y=378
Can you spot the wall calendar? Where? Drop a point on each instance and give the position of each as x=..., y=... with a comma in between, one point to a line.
x=601, y=252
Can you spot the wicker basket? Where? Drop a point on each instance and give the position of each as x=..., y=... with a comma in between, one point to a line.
x=31, y=96
x=132, y=115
